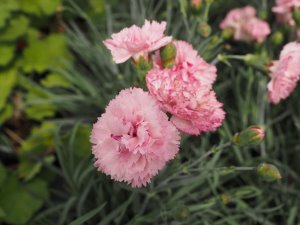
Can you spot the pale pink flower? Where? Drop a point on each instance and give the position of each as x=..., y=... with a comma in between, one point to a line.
x=137, y=41
x=284, y=73
x=185, y=91
x=284, y=9
x=245, y=25
x=133, y=139
x=196, y=3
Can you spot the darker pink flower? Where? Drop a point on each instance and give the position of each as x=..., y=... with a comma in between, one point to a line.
x=137, y=41
x=284, y=73
x=185, y=91
x=284, y=9
x=245, y=25
x=133, y=139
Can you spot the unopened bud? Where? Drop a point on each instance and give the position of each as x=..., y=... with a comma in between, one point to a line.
x=204, y=29
x=196, y=4
x=253, y=135
x=251, y=59
x=181, y=213
x=296, y=17
x=277, y=38
x=227, y=33
x=142, y=66
x=168, y=55
x=269, y=172
x=225, y=199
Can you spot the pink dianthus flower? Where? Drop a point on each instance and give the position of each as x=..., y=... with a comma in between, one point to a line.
x=133, y=139
x=185, y=90
x=284, y=73
x=245, y=25
x=284, y=9
x=137, y=41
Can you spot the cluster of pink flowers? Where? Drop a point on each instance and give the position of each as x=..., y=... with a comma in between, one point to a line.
x=284, y=73
x=134, y=138
x=284, y=10
x=245, y=25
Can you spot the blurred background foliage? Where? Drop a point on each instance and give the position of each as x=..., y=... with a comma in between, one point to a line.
x=56, y=78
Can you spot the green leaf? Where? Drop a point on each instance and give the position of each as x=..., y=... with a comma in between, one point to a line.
x=6, y=113
x=40, y=140
x=40, y=8
x=19, y=203
x=55, y=80
x=98, y=6
x=50, y=52
x=81, y=220
x=8, y=80
x=2, y=174
x=81, y=141
x=36, y=106
x=16, y=28
x=28, y=169
x=6, y=7
x=6, y=54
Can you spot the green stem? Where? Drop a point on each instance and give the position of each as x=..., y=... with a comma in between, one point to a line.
x=206, y=12
x=211, y=152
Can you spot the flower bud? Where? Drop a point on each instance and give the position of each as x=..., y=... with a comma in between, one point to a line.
x=277, y=38
x=142, y=67
x=181, y=212
x=168, y=55
x=196, y=4
x=225, y=199
x=253, y=135
x=269, y=172
x=204, y=29
x=227, y=33
x=296, y=17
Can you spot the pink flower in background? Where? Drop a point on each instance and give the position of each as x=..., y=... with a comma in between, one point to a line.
x=283, y=10
x=196, y=3
x=137, y=41
x=133, y=139
x=185, y=91
x=284, y=73
x=245, y=25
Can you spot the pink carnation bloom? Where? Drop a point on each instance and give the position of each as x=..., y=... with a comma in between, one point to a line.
x=284, y=73
x=133, y=139
x=283, y=10
x=185, y=91
x=245, y=25
x=137, y=41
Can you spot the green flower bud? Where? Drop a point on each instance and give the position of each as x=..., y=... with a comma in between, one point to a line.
x=277, y=38
x=253, y=135
x=227, y=33
x=168, y=55
x=142, y=67
x=225, y=199
x=269, y=172
x=181, y=212
x=204, y=29
x=296, y=17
